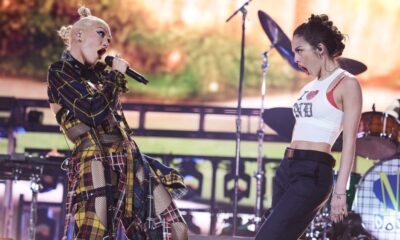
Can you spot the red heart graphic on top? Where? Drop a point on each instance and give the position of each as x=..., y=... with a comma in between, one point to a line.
x=311, y=94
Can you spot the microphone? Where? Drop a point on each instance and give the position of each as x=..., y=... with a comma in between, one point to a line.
x=129, y=71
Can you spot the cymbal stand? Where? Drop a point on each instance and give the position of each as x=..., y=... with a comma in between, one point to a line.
x=6, y=209
x=243, y=10
x=259, y=175
x=35, y=187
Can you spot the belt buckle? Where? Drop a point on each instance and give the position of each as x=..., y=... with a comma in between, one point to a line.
x=289, y=153
x=86, y=195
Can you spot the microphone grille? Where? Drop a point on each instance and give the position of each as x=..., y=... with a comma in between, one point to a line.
x=109, y=60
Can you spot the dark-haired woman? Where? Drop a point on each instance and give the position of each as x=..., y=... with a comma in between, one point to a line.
x=326, y=106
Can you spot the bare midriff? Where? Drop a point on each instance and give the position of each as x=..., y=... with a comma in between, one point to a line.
x=316, y=146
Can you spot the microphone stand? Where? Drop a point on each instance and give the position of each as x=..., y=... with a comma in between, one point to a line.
x=239, y=113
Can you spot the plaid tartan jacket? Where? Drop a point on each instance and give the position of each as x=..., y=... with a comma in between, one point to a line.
x=89, y=117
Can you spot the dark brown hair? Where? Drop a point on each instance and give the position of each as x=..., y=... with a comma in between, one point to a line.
x=319, y=29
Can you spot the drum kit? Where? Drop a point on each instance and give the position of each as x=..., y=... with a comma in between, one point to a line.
x=373, y=199
x=42, y=172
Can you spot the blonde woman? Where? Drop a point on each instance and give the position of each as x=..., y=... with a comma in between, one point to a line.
x=113, y=189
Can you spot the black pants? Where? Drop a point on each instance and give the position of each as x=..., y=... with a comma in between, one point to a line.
x=302, y=185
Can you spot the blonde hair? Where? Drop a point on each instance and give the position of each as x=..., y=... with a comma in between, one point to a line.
x=86, y=20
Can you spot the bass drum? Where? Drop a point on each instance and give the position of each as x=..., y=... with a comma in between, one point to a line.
x=377, y=200
x=377, y=136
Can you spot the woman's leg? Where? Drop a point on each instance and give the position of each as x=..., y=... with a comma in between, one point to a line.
x=302, y=200
x=91, y=215
x=163, y=204
x=98, y=182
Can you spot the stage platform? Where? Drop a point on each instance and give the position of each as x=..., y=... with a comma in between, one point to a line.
x=198, y=237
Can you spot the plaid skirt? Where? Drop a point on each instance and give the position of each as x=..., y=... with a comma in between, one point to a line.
x=132, y=217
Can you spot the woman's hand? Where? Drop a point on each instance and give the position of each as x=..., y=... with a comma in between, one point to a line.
x=119, y=64
x=338, y=207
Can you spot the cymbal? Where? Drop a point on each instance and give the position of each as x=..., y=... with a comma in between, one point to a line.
x=278, y=38
x=352, y=66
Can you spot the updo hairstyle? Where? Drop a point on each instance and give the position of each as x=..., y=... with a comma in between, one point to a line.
x=86, y=20
x=319, y=29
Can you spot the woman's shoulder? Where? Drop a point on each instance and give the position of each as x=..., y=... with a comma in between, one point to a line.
x=62, y=69
x=349, y=85
x=60, y=65
x=349, y=80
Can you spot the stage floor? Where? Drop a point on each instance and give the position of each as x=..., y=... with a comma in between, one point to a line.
x=198, y=237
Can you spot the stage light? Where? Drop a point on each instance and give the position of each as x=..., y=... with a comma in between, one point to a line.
x=174, y=57
x=6, y=4
x=190, y=14
x=213, y=86
x=20, y=130
x=174, y=60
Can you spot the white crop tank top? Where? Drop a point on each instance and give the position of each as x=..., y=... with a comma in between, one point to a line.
x=317, y=120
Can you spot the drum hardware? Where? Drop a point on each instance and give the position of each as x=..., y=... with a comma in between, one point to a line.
x=322, y=227
x=281, y=43
x=259, y=174
x=377, y=136
x=20, y=167
x=319, y=227
x=35, y=187
x=394, y=109
x=16, y=173
x=7, y=205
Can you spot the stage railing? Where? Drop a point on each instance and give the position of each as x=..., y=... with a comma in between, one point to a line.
x=23, y=117
x=26, y=113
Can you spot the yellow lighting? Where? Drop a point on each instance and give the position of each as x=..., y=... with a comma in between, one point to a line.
x=6, y=3
x=174, y=57
x=214, y=86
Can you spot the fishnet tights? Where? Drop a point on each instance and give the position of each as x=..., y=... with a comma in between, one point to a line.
x=99, y=181
x=162, y=200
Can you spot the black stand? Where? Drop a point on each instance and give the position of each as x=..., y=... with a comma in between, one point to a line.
x=239, y=113
x=35, y=187
x=260, y=174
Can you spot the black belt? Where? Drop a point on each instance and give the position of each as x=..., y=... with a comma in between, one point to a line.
x=311, y=155
x=86, y=195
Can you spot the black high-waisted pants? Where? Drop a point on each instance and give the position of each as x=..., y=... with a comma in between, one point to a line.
x=302, y=185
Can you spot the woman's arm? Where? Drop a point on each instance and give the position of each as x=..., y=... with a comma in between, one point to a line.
x=350, y=92
x=90, y=108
